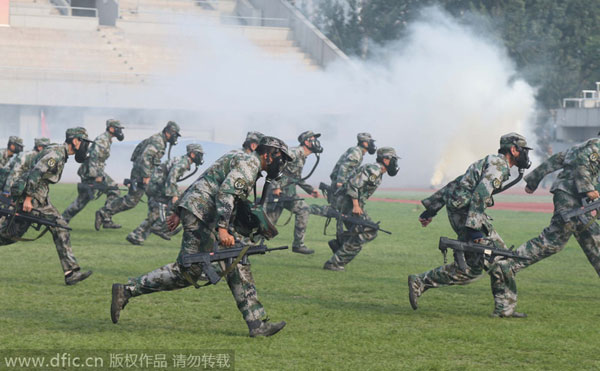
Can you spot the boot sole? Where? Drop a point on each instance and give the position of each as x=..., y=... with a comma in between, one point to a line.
x=113, y=305
x=411, y=295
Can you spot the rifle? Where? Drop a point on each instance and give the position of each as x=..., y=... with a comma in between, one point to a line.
x=277, y=199
x=101, y=187
x=586, y=207
x=38, y=219
x=354, y=220
x=231, y=256
x=133, y=185
x=461, y=247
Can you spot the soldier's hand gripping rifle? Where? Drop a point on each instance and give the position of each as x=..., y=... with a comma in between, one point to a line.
x=587, y=206
x=356, y=221
x=231, y=256
x=460, y=248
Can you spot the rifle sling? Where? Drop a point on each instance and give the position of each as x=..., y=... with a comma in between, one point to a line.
x=21, y=239
x=235, y=261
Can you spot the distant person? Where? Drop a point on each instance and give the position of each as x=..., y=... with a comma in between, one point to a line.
x=578, y=180
x=146, y=155
x=286, y=187
x=33, y=192
x=20, y=164
x=15, y=146
x=351, y=200
x=93, y=175
x=466, y=199
x=163, y=193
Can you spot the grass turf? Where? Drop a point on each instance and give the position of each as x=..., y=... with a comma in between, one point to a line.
x=357, y=319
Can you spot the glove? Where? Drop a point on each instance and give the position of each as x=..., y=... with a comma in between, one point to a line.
x=474, y=234
x=427, y=214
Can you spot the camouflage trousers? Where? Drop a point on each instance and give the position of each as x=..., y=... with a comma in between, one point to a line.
x=199, y=237
x=127, y=202
x=551, y=241
x=452, y=274
x=301, y=211
x=85, y=195
x=10, y=232
x=351, y=239
x=152, y=220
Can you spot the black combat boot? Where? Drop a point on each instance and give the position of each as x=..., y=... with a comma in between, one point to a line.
x=264, y=327
x=302, y=250
x=98, y=221
x=334, y=245
x=120, y=298
x=76, y=276
x=133, y=241
x=110, y=225
x=333, y=267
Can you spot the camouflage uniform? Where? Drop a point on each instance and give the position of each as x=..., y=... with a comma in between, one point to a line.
x=359, y=187
x=580, y=169
x=466, y=199
x=47, y=170
x=23, y=162
x=344, y=168
x=91, y=169
x=151, y=151
x=291, y=177
x=7, y=160
x=206, y=205
x=160, y=192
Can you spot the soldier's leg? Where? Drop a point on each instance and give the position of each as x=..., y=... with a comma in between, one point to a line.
x=84, y=196
x=196, y=237
x=504, y=287
x=111, y=195
x=351, y=244
x=301, y=210
x=62, y=238
x=241, y=284
x=589, y=240
x=141, y=233
x=117, y=205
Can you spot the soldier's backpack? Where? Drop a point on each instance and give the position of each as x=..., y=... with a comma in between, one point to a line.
x=139, y=149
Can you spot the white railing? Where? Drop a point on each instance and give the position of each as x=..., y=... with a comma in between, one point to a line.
x=21, y=8
x=34, y=73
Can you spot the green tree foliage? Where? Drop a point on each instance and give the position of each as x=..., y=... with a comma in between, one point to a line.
x=555, y=44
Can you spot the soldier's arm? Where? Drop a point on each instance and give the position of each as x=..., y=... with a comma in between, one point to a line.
x=238, y=183
x=15, y=172
x=552, y=164
x=95, y=165
x=148, y=160
x=306, y=187
x=178, y=169
x=41, y=167
x=491, y=179
x=347, y=167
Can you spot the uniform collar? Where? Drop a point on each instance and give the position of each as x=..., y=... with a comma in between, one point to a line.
x=66, y=149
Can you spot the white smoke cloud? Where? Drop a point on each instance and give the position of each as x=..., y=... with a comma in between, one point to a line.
x=441, y=97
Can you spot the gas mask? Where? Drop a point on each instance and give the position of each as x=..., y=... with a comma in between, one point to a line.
x=18, y=147
x=173, y=138
x=522, y=161
x=392, y=168
x=198, y=158
x=315, y=146
x=371, y=148
x=81, y=153
x=119, y=134
x=275, y=167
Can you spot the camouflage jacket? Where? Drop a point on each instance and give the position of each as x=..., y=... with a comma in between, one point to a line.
x=163, y=182
x=18, y=166
x=364, y=182
x=4, y=158
x=347, y=164
x=580, y=165
x=292, y=174
x=47, y=170
x=150, y=156
x=98, y=153
x=472, y=191
x=212, y=196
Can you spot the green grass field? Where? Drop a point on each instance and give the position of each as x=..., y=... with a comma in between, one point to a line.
x=359, y=319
